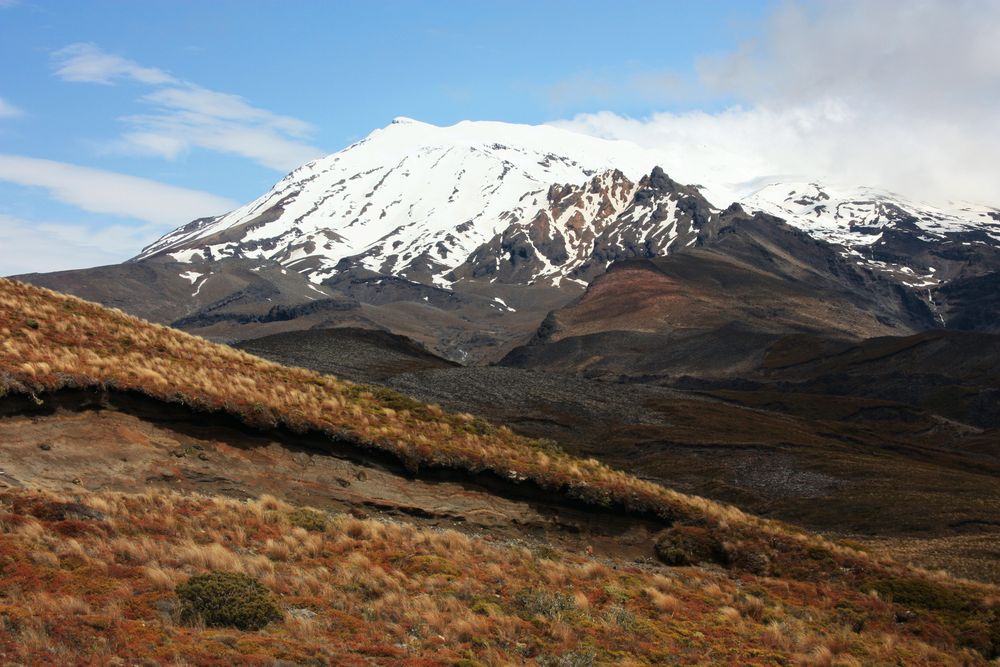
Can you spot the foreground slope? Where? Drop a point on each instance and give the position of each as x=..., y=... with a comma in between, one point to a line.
x=90, y=582
x=367, y=591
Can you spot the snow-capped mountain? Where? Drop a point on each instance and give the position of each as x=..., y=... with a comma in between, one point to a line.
x=858, y=216
x=918, y=244
x=466, y=237
x=576, y=231
x=410, y=199
x=525, y=205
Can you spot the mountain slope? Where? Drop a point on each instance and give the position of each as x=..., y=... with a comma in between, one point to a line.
x=713, y=307
x=922, y=246
x=410, y=200
x=582, y=229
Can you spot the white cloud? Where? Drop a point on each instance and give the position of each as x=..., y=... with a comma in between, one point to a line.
x=895, y=95
x=108, y=192
x=188, y=116
x=8, y=110
x=86, y=63
x=31, y=246
x=223, y=106
x=185, y=116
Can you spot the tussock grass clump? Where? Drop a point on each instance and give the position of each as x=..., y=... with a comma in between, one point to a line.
x=227, y=599
x=690, y=545
x=308, y=519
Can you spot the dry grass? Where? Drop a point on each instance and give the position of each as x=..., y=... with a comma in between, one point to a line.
x=410, y=592
x=50, y=341
x=374, y=592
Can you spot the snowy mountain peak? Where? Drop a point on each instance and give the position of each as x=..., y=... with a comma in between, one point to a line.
x=410, y=199
x=858, y=215
x=918, y=244
x=525, y=204
x=576, y=231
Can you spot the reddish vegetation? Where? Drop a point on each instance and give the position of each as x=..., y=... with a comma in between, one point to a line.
x=53, y=342
x=652, y=297
x=82, y=582
x=355, y=592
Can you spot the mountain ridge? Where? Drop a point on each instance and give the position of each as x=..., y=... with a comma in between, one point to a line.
x=465, y=237
x=437, y=205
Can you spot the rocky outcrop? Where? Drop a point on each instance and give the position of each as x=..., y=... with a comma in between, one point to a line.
x=580, y=229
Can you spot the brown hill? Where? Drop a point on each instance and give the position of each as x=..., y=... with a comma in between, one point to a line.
x=136, y=407
x=115, y=399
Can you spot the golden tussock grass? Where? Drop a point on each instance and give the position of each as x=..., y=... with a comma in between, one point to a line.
x=57, y=342
x=369, y=591
x=53, y=342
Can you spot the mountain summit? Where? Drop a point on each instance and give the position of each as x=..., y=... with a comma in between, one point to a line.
x=411, y=199
x=465, y=238
x=523, y=204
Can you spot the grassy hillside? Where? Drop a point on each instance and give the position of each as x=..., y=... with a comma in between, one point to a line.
x=773, y=594
x=53, y=342
x=84, y=582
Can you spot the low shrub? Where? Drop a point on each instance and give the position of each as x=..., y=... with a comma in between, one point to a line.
x=748, y=558
x=427, y=565
x=577, y=658
x=533, y=603
x=690, y=545
x=227, y=599
x=308, y=519
x=920, y=593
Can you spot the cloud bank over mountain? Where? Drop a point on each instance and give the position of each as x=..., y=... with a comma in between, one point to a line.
x=895, y=95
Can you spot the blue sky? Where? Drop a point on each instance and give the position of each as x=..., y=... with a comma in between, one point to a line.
x=192, y=106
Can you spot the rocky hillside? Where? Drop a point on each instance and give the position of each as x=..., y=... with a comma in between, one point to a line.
x=580, y=230
x=708, y=308
x=925, y=248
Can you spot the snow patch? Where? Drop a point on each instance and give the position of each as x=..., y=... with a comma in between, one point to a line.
x=503, y=304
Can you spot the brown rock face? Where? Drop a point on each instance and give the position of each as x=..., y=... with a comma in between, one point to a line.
x=578, y=230
x=715, y=305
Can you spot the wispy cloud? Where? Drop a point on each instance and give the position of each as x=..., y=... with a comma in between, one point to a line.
x=188, y=116
x=185, y=115
x=86, y=63
x=100, y=191
x=4, y=4
x=31, y=246
x=895, y=95
x=8, y=110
